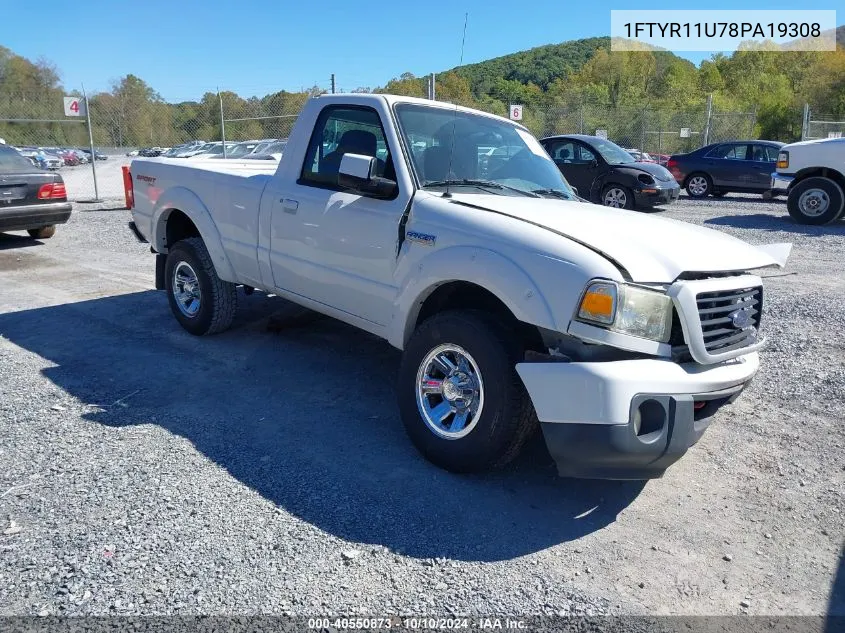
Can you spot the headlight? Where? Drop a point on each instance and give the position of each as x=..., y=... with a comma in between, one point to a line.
x=627, y=309
x=783, y=160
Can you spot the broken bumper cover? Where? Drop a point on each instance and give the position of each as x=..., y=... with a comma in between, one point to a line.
x=629, y=419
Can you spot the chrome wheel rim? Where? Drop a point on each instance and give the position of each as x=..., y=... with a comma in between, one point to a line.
x=615, y=198
x=814, y=202
x=698, y=185
x=186, y=289
x=450, y=391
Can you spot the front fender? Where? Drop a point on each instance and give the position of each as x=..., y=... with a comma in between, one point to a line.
x=492, y=271
x=186, y=201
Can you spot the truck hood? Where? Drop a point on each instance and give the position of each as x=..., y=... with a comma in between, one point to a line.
x=817, y=141
x=650, y=249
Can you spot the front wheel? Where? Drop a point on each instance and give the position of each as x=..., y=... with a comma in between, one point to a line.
x=462, y=403
x=201, y=301
x=617, y=196
x=815, y=200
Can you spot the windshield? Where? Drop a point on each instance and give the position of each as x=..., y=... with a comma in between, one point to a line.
x=611, y=152
x=491, y=155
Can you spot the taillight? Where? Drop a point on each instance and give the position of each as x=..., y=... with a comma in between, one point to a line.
x=671, y=163
x=52, y=191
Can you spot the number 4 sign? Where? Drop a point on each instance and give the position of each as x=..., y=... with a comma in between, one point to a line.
x=515, y=112
x=74, y=106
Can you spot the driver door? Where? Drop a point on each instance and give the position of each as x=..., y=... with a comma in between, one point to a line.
x=334, y=246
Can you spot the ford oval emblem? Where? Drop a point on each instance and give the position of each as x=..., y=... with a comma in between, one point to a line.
x=740, y=319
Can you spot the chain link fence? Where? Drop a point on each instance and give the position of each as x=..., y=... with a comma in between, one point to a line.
x=817, y=126
x=125, y=123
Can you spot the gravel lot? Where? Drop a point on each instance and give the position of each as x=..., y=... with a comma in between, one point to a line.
x=265, y=470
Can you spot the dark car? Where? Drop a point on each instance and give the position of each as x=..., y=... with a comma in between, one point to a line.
x=31, y=199
x=720, y=168
x=604, y=173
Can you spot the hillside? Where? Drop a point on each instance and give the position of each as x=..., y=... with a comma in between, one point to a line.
x=542, y=65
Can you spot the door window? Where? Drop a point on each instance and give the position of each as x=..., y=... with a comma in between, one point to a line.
x=731, y=151
x=765, y=153
x=344, y=130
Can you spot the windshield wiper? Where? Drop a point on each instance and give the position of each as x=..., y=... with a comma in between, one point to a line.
x=481, y=184
x=552, y=192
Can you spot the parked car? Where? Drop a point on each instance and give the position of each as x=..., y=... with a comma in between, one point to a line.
x=31, y=199
x=97, y=154
x=48, y=160
x=270, y=151
x=510, y=300
x=721, y=168
x=239, y=150
x=604, y=173
x=212, y=150
x=640, y=156
x=812, y=175
x=70, y=158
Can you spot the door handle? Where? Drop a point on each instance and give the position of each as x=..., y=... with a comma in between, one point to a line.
x=289, y=205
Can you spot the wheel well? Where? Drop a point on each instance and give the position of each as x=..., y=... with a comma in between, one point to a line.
x=179, y=226
x=463, y=295
x=695, y=173
x=823, y=172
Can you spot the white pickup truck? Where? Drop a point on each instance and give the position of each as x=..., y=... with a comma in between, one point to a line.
x=812, y=175
x=451, y=234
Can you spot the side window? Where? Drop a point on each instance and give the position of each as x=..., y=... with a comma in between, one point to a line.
x=563, y=152
x=765, y=153
x=730, y=151
x=585, y=155
x=344, y=130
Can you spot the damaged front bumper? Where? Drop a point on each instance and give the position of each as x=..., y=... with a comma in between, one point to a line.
x=629, y=419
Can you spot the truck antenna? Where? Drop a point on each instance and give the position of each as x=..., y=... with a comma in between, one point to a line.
x=446, y=194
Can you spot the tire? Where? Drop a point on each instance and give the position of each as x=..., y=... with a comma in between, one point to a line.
x=815, y=200
x=503, y=418
x=699, y=185
x=200, y=300
x=767, y=195
x=617, y=196
x=43, y=233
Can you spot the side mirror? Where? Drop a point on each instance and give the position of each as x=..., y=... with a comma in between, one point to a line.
x=594, y=163
x=358, y=173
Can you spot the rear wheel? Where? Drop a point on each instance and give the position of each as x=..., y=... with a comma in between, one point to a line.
x=815, y=200
x=43, y=233
x=201, y=301
x=617, y=196
x=699, y=185
x=462, y=403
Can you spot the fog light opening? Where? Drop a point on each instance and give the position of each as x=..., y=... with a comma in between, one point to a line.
x=699, y=404
x=649, y=418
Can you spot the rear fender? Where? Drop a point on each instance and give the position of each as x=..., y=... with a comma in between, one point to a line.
x=487, y=269
x=186, y=201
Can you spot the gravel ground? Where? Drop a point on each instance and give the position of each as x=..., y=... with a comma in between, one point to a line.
x=265, y=470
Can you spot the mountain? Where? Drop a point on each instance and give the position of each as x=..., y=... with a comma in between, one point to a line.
x=541, y=65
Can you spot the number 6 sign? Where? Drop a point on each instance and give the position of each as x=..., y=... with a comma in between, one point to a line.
x=515, y=112
x=74, y=106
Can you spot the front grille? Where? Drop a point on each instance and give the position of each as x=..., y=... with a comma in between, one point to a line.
x=730, y=319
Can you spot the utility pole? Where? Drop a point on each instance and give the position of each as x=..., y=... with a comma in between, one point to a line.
x=432, y=93
x=333, y=85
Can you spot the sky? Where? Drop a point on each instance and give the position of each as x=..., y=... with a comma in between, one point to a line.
x=184, y=48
